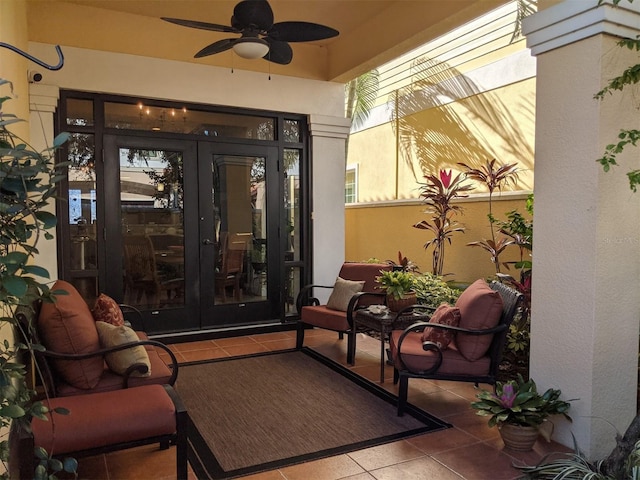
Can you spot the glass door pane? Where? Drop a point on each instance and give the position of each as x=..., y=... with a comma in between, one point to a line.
x=239, y=211
x=151, y=204
x=240, y=207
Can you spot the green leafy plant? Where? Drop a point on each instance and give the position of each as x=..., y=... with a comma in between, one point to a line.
x=520, y=230
x=495, y=176
x=432, y=290
x=395, y=283
x=27, y=184
x=403, y=264
x=576, y=466
x=518, y=402
x=438, y=194
x=630, y=76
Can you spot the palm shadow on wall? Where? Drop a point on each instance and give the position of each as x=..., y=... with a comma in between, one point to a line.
x=467, y=121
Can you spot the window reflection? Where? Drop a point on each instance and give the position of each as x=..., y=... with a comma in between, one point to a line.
x=292, y=203
x=180, y=119
x=151, y=199
x=82, y=202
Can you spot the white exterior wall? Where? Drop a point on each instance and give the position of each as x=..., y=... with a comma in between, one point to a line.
x=586, y=256
x=104, y=72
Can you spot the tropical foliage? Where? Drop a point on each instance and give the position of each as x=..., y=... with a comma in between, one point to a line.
x=494, y=176
x=520, y=229
x=438, y=194
x=432, y=290
x=361, y=94
x=576, y=466
x=518, y=402
x=403, y=264
x=626, y=137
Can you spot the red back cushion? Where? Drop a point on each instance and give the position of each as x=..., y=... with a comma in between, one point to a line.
x=480, y=308
x=445, y=314
x=67, y=326
x=107, y=310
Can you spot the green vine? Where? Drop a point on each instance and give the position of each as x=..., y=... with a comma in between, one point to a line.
x=630, y=76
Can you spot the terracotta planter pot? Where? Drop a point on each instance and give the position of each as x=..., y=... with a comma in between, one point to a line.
x=396, y=305
x=518, y=438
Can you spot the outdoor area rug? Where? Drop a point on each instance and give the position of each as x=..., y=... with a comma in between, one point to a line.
x=261, y=412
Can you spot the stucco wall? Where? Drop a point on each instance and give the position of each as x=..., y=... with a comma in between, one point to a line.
x=382, y=230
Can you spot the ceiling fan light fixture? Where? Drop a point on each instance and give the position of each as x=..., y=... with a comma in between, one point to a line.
x=251, y=48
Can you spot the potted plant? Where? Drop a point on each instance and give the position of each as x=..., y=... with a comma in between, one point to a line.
x=398, y=286
x=520, y=412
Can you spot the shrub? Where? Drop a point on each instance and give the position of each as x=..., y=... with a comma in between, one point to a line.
x=432, y=290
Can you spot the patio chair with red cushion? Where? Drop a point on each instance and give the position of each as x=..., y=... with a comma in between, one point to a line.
x=461, y=343
x=354, y=288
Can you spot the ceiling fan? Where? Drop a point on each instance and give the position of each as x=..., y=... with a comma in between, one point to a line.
x=260, y=37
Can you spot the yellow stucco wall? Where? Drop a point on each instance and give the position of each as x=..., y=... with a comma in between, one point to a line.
x=13, y=67
x=496, y=124
x=381, y=231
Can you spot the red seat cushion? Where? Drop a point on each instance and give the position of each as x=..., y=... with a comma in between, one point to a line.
x=99, y=419
x=415, y=359
x=323, y=317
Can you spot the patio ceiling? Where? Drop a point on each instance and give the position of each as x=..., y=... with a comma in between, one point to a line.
x=372, y=32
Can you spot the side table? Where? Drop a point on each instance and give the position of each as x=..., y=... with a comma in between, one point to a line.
x=384, y=323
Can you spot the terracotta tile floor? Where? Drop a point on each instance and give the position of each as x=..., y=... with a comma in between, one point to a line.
x=469, y=450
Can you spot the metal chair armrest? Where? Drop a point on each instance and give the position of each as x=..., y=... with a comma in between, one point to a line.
x=304, y=298
x=103, y=351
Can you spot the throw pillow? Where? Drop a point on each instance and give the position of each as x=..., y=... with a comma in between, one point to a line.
x=342, y=292
x=445, y=314
x=118, y=362
x=67, y=326
x=107, y=310
x=480, y=309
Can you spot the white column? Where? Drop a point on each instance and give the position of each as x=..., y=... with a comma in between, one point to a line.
x=43, y=101
x=328, y=136
x=586, y=257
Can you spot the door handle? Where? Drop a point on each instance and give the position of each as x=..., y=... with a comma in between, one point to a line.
x=206, y=241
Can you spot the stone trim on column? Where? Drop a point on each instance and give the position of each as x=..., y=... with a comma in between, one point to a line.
x=43, y=98
x=571, y=21
x=326, y=126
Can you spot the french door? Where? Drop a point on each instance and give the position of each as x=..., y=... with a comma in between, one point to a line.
x=192, y=231
x=239, y=233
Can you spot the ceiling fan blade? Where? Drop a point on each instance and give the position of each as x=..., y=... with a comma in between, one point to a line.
x=301, y=32
x=217, y=47
x=253, y=13
x=279, y=52
x=214, y=27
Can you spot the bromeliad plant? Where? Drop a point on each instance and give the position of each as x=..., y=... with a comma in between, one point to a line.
x=438, y=194
x=518, y=402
